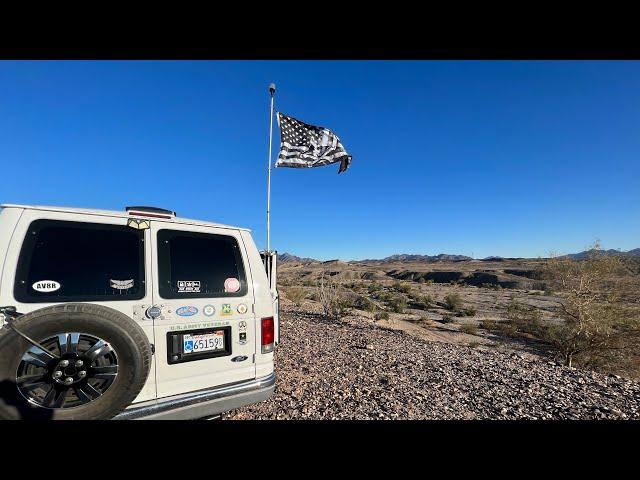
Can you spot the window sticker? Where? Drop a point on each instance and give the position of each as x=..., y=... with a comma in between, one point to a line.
x=188, y=286
x=46, y=286
x=121, y=284
x=231, y=285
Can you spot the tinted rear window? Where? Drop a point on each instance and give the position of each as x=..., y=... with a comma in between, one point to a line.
x=197, y=265
x=75, y=261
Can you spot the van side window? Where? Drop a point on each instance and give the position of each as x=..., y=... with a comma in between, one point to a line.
x=76, y=261
x=197, y=265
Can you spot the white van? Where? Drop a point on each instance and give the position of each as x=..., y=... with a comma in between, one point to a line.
x=133, y=314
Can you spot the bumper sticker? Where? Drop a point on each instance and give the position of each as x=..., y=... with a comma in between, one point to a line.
x=188, y=286
x=186, y=311
x=226, y=309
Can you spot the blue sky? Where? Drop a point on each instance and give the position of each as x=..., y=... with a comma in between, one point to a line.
x=473, y=157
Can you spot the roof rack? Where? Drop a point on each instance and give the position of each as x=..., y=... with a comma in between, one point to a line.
x=150, y=212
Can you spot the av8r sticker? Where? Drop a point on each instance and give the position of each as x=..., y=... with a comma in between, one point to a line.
x=46, y=286
x=188, y=286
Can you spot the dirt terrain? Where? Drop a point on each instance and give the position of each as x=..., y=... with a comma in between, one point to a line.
x=357, y=370
x=422, y=360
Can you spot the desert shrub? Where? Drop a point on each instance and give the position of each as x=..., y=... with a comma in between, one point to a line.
x=296, y=295
x=381, y=316
x=525, y=318
x=490, y=325
x=428, y=301
x=467, y=312
x=453, y=302
x=401, y=287
x=385, y=296
x=447, y=318
x=364, y=303
x=469, y=328
x=397, y=304
x=599, y=298
x=334, y=302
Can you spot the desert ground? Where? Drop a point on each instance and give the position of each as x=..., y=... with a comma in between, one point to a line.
x=401, y=352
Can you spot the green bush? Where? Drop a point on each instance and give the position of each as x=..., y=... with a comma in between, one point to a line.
x=490, y=325
x=428, y=301
x=296, y=295
x=469, y=328
x=398, y=304
x=453, y=302
x=364, y=303
x=401, y=287
x=447, y=318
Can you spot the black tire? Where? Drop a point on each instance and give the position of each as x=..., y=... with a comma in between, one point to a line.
x=125, y=337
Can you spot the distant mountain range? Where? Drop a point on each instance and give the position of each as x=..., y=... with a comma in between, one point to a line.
x=609, y=253
x=444, y=257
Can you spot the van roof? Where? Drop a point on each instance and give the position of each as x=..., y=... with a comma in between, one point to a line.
x=117, y=213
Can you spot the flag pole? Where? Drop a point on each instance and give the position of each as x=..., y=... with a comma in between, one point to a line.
x=272, y=91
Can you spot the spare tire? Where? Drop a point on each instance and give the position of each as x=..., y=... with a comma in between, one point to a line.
x=97, y=362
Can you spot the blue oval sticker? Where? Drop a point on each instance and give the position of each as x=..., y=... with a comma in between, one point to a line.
x=186, y=311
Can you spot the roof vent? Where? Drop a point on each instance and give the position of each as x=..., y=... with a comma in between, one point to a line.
x=150, y=212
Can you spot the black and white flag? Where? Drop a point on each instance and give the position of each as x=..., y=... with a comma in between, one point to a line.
x=305, y=146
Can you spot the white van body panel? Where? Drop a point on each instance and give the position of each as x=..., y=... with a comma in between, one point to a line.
x=132, y=308
x=164, y=380
x=264, y=302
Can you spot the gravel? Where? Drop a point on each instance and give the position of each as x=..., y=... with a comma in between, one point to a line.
x=355, y=370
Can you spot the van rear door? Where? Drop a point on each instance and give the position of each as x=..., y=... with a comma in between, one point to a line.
x=205, y=328
x=270, y=262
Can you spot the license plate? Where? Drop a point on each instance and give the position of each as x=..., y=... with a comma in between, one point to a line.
x=206, y=342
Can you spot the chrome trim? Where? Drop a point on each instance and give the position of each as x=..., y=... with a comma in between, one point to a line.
x=194, y=398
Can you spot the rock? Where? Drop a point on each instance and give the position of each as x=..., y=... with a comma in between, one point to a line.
x=359, y=371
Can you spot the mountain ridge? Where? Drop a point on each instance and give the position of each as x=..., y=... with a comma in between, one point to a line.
x=445, y=257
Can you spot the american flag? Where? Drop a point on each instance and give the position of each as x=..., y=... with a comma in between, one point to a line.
x=305, y=146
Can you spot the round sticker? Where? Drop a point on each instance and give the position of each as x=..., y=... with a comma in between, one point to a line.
x=231, y=285
x=242, y=308
x=209, y=310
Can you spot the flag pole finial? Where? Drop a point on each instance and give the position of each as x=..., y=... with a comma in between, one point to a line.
x=272, y=88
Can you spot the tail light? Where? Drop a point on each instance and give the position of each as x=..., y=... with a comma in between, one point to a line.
x=267, y=334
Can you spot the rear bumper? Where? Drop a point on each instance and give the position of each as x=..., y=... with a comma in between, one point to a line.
x=203, y=403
